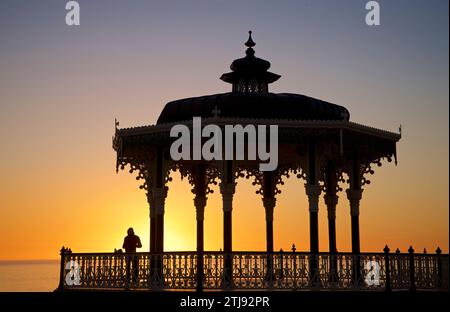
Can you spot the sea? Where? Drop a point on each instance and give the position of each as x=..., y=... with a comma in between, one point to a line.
x=29, y=275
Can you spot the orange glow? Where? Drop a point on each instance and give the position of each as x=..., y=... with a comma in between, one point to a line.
x=61, y=89
x=98, y=220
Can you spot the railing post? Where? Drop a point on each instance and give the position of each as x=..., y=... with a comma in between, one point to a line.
x=155, y=278
x=294, y=263
x=62, y=268
x=333, y=277
x=151, y=273
x=398, y=266
x=439, y=267
x=227, y=279
x=127, y=271
x=200, y=273
x=387, y=268
x=159, y=269
x=280, y=278
x=269, y=276
x=425, y=269
x=412, y=279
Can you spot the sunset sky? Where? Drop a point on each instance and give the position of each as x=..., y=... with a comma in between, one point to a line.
x=61, y=88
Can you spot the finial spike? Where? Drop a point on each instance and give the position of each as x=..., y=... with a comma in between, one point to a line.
x=250, y=43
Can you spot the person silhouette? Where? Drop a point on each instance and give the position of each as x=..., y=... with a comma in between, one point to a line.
x=130, y=243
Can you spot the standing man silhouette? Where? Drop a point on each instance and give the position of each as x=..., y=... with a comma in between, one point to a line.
x=130, y=243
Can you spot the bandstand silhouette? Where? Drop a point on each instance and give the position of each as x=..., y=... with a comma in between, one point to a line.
x=317, y=143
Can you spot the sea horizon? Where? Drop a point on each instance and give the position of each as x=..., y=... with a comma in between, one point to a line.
x=7, y=261
x=29, y=275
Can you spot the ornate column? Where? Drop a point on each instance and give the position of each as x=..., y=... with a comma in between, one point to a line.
x=157, y=200
x=200, y=186
x=152, y=209
x=200, y=203
x=268, y=192
x=313, y=191
x=227, y=189
x=159, y=197
x=331, y=200
x=269, y=205
x=159, y=194
x=354, y=196
x=200, y=191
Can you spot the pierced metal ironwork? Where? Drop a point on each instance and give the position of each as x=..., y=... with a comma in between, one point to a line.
x=251, y=270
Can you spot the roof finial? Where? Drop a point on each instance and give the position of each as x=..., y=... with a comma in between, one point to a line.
x=250, y=43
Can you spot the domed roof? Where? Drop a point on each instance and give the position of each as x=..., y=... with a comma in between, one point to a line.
x=255, y=106
x=251, y=99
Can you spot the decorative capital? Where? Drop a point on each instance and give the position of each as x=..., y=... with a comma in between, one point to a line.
x=151, y=203
x=200, y=203
x=331, y=202
x=354, y=196
x=159, y=192
x=159, y=196
x=227, y=190
x=269, y=202
x=313, y=192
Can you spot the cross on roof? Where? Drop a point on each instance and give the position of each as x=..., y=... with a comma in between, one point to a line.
x=216, y=111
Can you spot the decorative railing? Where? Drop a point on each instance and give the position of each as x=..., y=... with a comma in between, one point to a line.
x=254, y=270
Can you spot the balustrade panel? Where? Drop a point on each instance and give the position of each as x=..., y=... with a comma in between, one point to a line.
x=252, y=270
